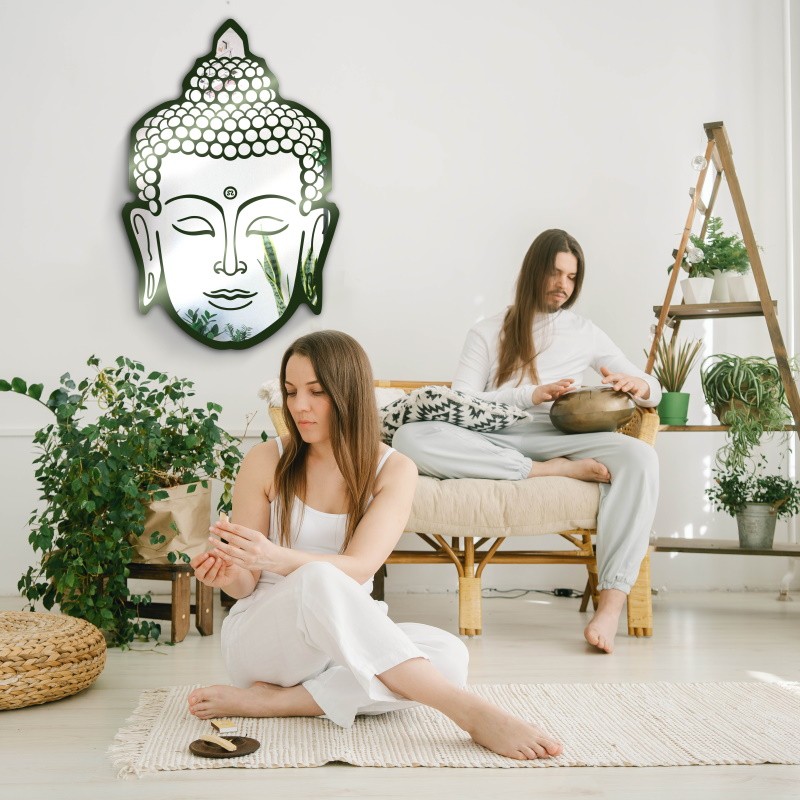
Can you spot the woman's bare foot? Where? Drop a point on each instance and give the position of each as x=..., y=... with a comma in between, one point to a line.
x=505, y=734
x=584, y=469
x=602, y=628
x=260, y=700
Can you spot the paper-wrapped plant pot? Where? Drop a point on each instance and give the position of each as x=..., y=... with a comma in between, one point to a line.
x=591, y=409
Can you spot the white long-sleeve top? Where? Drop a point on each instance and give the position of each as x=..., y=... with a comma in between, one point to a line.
x=567, y=344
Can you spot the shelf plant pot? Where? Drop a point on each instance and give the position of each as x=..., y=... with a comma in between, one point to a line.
x=756, y=523
x=742, y=288
x=673, y=408
x=721, y=292
x=697, y=290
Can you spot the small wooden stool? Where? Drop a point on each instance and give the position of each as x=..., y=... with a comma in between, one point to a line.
x=180, y=609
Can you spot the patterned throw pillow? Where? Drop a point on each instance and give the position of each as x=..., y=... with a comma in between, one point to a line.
x=441, y=404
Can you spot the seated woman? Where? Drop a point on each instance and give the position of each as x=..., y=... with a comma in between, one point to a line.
x=315, y=516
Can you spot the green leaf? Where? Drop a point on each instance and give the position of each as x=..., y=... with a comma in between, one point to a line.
x=5, y=386
x=19, y=385
x=57, y=399
x=35, y=390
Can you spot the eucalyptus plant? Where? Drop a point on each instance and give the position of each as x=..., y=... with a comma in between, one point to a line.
x=673, y=362
x=746, y=394
x=96, y=475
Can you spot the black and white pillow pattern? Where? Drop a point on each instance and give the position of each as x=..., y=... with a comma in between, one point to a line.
x=442, y=404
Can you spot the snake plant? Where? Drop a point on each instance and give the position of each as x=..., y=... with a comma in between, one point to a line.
x=674, y=362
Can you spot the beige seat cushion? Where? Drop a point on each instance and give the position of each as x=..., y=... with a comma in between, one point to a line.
x=480, y=507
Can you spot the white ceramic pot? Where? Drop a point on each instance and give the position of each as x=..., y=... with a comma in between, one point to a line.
x=742, y=288
x=750, y=288
x=697, y=290
x=720, y=293
x=737, y=289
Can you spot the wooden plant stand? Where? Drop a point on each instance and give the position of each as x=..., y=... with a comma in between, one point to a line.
x=180, y=608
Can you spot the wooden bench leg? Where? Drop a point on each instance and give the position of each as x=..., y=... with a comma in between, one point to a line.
x=590, y=592
x=204, y=608
x=181, y=606
x=469, y=606
x=379, y=584
x=640, y=603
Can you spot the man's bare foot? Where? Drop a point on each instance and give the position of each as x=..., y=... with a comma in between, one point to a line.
x=584, y=469
x=602, y=628
x=505, y=734
x=600, y=632
x=260, y=700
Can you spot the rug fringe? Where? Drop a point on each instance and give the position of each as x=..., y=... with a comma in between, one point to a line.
x=131, y=739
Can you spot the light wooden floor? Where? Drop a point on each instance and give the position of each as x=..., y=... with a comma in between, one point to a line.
x=58, y=750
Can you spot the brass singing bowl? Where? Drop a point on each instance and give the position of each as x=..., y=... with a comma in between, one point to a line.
x=592, y=409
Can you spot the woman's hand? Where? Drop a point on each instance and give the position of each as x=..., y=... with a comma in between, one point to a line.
x=245, y=547
x=551, y=391
x=635, y=387
x=212, y=570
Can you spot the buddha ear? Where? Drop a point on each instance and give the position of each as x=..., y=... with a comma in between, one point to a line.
x=313, y=259
x=142, y=232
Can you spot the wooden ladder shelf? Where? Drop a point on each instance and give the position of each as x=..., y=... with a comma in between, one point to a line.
x=719, y=155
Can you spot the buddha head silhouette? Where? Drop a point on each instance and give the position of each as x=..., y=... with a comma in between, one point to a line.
x=230, y=226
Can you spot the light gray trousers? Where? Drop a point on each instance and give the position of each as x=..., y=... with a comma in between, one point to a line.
x=627, y=504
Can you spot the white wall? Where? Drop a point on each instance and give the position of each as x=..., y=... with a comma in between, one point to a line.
x=460, y=130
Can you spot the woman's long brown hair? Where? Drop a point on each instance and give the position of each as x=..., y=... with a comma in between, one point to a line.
x=517, y=351
x=343, y=370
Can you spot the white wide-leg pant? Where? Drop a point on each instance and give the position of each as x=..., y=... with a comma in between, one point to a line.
x=627, y=504
x=319, y=628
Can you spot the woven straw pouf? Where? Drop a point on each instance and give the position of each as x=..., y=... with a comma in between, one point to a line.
x=45, y=657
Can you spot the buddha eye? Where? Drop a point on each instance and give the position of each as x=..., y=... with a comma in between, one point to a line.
x=266, y=226
x=194, y=226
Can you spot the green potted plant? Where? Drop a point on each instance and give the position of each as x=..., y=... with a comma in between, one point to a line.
x=671, y=367
x=756, y=500
x=99, y=472
x=745, y=393
x=699, y=284
x=722, y=257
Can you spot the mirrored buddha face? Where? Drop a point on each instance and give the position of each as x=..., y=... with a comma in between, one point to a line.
x=229, y=247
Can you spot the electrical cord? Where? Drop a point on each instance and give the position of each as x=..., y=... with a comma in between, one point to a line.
x=513, y=594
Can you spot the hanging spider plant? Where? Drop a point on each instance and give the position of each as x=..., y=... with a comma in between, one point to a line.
x=747, y=394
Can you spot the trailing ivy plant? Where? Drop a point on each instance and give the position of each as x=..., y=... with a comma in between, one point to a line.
x=745, y=393
x=97, y=473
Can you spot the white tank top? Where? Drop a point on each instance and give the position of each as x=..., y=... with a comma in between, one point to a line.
x=312, y=531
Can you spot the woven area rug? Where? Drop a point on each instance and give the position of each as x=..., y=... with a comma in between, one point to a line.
x=628, y=724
